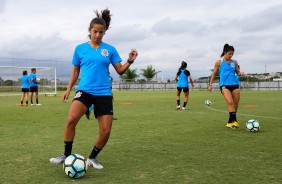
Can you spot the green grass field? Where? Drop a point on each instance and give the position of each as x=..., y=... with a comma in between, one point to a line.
x=151, y=142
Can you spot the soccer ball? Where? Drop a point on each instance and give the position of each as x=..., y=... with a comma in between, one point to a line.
x=37, y=79
x=208, y=102
x=75, y=166
x=252, y=125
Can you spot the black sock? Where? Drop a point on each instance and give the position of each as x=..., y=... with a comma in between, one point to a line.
x=178, y=102
x=21, y=102
x=184, y=104
x=26, y=102
x=36, y=101
x=68, y=148
x=95, y=152
x=31, y=101
x=232, y=117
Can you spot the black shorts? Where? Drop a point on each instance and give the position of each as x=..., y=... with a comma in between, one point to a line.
x=103, y=105
x=25, y=89
x=229, y=87
x=185, y=89
x=33, y=89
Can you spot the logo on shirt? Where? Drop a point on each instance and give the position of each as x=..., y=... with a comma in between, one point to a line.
x=105, y=52
x=232, y=65
x=78, y=94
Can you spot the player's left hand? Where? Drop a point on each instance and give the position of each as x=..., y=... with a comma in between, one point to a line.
x=132, y=55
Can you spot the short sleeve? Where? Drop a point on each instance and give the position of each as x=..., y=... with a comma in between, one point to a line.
x=187, y=73
x=114, y=57
x=76, y=59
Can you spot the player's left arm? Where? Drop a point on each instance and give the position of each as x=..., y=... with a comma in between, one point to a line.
x=238, y=71
x=191, y=80
x=132, y=55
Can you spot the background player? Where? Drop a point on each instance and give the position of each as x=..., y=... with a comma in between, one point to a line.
x=228, y=83
x=183, y=84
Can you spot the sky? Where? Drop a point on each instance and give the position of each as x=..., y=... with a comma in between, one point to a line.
x=165, y=32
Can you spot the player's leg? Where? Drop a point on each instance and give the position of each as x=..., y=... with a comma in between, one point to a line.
x=31, y=97
x=76, y=111
x=105, y=119
x=186, y=95
x=232, y=121
x=22, y=97
x=178, y=91
x=26, y=98
x=105, y=126
x=37, y=97
x=236, y=98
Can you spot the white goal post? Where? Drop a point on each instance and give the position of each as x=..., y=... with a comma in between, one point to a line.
x=10, y=80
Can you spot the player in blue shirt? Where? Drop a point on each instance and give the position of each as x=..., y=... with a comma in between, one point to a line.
x=33, y=86
x=182, y=77
x=25, y=88
x=91, y=60
x=228, y=83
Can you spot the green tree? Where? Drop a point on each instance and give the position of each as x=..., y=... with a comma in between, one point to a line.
x=149, y=72
x=9, y=82
x=129, y=75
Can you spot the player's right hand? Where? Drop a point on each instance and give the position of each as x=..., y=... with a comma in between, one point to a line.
x=65, y=96
x=209, y=88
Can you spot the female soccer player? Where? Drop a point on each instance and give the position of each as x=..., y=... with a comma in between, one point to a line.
x=228, y=83
x=92, y=59
x=25, y=88
x=183, y=84
x=33, y=86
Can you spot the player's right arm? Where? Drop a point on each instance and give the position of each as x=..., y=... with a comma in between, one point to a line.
x=216, y=67
x=73, y=78
x=177, y=74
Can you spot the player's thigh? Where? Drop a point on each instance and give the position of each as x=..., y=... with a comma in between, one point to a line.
x=236, y=95
x=227, y=95
x=77, y=110
x=105, y=123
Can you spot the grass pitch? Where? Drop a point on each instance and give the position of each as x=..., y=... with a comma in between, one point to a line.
x=151, y=142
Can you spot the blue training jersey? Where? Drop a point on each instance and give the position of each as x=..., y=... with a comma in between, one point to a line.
x=238, y=78
x=227, y=73
x=183, y=78
x=32, y=78
x=25, y=81
x=94, y=67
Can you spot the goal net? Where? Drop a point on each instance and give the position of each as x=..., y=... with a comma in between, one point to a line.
x=10, y=80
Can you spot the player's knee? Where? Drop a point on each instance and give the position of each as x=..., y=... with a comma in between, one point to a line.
x=106, y=133
x=71, y=122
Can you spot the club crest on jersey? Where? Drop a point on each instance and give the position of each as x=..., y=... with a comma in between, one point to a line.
x=232, y=65
x=78, y=94
x=105, y=52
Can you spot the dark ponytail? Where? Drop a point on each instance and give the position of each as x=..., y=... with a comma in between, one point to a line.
x=183, y=65
x=227, y=48
x=103, y=18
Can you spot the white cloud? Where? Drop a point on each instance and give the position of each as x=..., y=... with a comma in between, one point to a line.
x=164, y=31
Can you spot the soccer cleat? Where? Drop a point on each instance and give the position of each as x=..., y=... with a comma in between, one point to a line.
x=58, y=160
x=93, y=162
x=184, y=108
x=234, y=124
x=32, y=104
x=39, y=104
x=178, y=107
